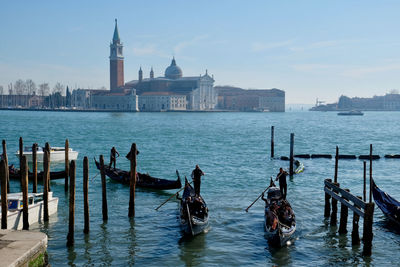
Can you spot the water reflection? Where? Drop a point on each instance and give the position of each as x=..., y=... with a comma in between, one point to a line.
x=131, y=237
x=88, y=247
x=105, y=242
x=192, y=249
x=280, y=256
x=71, y=256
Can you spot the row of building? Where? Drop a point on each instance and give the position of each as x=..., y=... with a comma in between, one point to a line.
x=171, y=92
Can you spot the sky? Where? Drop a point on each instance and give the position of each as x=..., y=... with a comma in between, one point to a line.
x=310, y=49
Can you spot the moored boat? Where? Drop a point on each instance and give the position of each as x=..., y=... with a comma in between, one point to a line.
x=56, y=154
x=299, y=167
x=15, y=174
x=351, y=113
x=388, y=205
x=35, y=208
x=142, y=180
x=280, y=221
x=193, y=212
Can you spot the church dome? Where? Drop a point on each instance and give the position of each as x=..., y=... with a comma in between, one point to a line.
x=173, y=71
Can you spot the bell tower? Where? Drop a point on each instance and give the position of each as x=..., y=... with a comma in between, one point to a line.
x=116, y=62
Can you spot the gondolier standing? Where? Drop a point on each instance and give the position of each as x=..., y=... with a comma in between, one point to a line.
x=282, y=182
x=113, y=156
x=196, y=176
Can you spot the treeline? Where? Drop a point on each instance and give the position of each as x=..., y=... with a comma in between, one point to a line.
x=29, y=87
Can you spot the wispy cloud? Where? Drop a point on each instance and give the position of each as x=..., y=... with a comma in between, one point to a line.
x=184, y=44
x=364, y=71
x=322, y=44
x=314, y=67
x=147, y=50
x=259, y=47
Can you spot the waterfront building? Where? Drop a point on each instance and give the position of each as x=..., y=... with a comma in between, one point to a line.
x=162, y=101
x=198, y=90
x=238, y=99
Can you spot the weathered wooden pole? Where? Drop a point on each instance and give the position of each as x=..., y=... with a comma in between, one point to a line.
x=132, y=181
x=66, y=165
x=355, y=236
x=71, y=222
x=24, y=181
x=334, y=208
x=344, y=212
x=291, y=153
x=336, y=164
x=104, y=189
x=370, y=173
x=46, y=177
x=5, y=158
x=47, y=147
x=85, y=194
x=21, y=152
x=34, y=167
x=4, y=202
x=367, y=231
x=327, y=210
x=272, y=142
x=365, y=182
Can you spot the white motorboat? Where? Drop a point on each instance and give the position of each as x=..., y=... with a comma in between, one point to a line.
x=56, y=154
x=35, y=209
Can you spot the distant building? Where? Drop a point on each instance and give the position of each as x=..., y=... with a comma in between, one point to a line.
x=162, y=101
x=199, y=90
x=234, y=98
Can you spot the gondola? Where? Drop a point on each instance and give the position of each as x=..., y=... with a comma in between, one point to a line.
x=388, y=205
x=299, y=167
x=280, y=221
x=15, y=174
x=193, y=212
x=142, y=180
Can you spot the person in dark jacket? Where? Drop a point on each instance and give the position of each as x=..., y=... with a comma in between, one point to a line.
x=282, y=182
x=113, y=157
x=196, y=176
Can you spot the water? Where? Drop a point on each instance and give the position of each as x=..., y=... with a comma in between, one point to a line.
x=233, y=150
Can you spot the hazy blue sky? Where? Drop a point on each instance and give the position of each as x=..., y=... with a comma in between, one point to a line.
x=309, y=49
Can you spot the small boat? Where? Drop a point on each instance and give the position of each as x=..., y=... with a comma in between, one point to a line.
x=351, y=113
x=388, y=205
x=142, y=180
x=193, y=211
x=35, y=208
x=280, y=221
x=299, y=167
x=56, y=154
x=15, y=174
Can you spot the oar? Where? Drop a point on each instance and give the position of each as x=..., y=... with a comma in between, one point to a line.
x=162, y=204
x=261, y=194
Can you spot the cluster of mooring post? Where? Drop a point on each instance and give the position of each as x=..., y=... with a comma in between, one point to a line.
x=291, y=156
x=132, y=180
x=357, y=204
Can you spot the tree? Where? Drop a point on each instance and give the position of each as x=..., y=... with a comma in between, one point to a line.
x=68, y=98
x=30, y=86
x=10, y=89
x=1, y=89
x=58, y=88
x=20, y=87
x=44, y=89
x=2, y=96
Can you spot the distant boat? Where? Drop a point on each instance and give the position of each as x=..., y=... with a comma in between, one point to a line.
x=56, y=154
x=351, y=113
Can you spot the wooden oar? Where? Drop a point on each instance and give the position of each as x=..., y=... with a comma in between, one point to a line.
x=189, y=219
x=162, y=204
x=262, y=193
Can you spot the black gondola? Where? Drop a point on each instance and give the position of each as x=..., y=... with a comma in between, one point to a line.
x=142, y=180
x=193, y=212
x=15, y=174
x=388, y=205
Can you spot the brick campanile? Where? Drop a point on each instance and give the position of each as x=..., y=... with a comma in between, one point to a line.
x=116, y=62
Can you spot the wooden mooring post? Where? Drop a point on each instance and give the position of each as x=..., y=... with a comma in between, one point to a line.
x=34, y=167
x=66, y=165
x=370, y=173
x=85, y=194
x=21, y=152
x=336, y=164
x=359, y=207
x=71, y=221
x=365, y=182
x=327, y=209
x=104, y=189
x=4, y=202
x=46, y=178
x=24, y=182
x=355, y=236
x=272, y=141
x=5, y=158
x=132, y=180
x=47, y=148
x=344, y=212
x=291, y=153
x=334, y=207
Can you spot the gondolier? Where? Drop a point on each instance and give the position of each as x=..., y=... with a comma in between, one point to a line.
x=282, y=182
x=113, y=156
x=196, y=176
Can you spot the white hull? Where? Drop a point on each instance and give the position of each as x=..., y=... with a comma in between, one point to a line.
x=35, y=213
x=54, y=156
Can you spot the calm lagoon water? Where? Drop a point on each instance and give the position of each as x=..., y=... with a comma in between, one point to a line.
x=233, y=151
